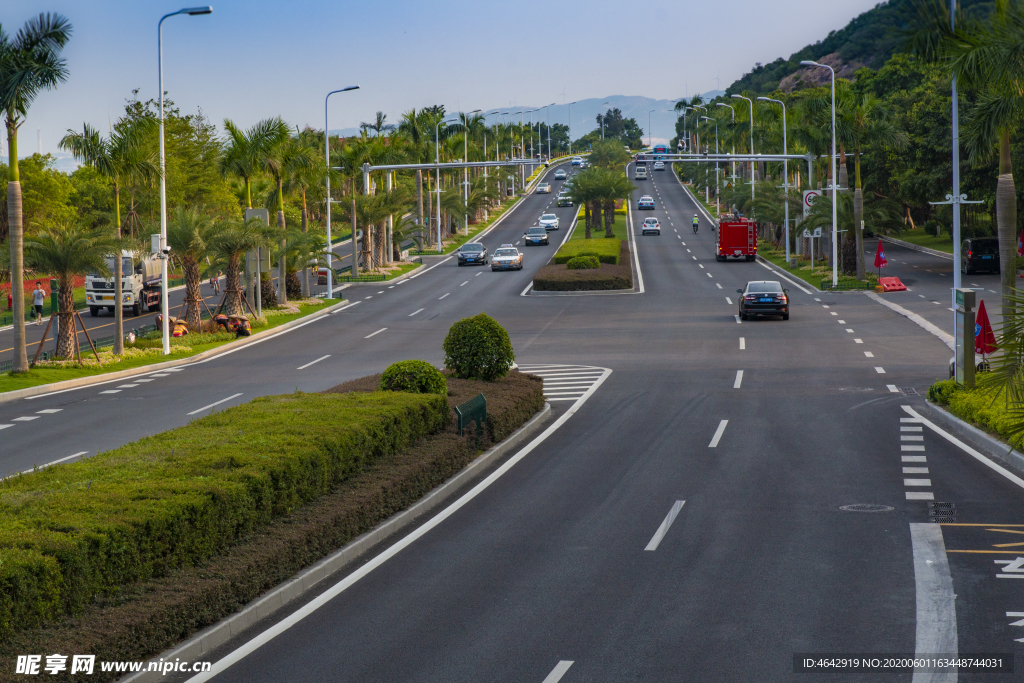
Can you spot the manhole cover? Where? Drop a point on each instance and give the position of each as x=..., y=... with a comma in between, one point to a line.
x=909, y=391
x=866, y=507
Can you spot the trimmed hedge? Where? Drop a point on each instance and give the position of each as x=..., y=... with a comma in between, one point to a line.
x=155, y=614
x=414, y=376
x=478, y=348
x=70, y=533
x=606, y=249
x=557, y=278
x=984, y=409
x=583, y=263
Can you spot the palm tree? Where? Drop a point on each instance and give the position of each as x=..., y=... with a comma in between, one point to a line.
x=280, y=158
x=302, y=179
x=122, y=158
x=189, y=233
x=379, y=124
x=245, y=150
x=307, y=248
x=66, y=251
x=231, y=239
x=883, y=214
x=29, y=64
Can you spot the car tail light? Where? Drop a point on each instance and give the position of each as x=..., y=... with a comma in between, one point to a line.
x=968, y=254
x=783, y=298
x=750, y=297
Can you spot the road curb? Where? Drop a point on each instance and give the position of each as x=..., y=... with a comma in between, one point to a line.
x=8, y=396
x=311, y=577
x=924, y=250
x=990, y=446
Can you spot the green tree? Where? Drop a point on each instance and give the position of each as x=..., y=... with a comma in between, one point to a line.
x=29, y=63
x=231, y=239
x=121, y=158
x=47, y=194
x=189, y=233
x=246, y=149
x=281, y=158
x=65, y=251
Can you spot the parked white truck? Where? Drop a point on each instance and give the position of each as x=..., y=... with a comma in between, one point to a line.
x=140, y=285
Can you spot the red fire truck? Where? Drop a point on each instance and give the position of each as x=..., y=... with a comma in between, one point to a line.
x=736, y=237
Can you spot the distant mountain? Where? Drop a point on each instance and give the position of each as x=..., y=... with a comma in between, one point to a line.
x=868, y=40
x=584, y=114
x=62, y=161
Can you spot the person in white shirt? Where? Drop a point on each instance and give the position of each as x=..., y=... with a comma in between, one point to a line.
x=38, y=297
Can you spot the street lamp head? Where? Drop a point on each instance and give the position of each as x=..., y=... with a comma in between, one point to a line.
x=764, y=99
x=722, y=104
x=807, y=62
x=739, y=97
x=193, y=11
x=476, y=111
x=351, y=87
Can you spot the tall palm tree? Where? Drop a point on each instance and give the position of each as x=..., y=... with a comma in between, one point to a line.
x=122, y=158
x=189, y=232
x=230, y=240
x=300, y=180
x=246, y=149
x=66, y=251
x=29, y=63
x=379, y=124
x=279, y=159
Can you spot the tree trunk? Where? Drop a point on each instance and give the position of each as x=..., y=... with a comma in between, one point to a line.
x=609, y=218
x=193, y=293
x=586, y=218
x=282, y=266
x=1006, y=222
x=66, y=305
x=233, y=286
x=844, y=175
x=118, y=276
x=16, y=233
x=858, y=215
x=305, y=229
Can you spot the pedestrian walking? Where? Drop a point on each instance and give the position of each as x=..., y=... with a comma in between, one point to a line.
x=38, y=296
x=216, y=284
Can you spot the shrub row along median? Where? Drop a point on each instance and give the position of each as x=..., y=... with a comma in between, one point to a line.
x=557, y=277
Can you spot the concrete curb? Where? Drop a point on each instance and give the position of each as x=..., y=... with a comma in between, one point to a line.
x=145, y=369
x=924, y=250
x=990, y=446
x=215, y=636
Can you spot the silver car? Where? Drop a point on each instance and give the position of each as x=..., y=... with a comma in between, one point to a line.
x=548, y=221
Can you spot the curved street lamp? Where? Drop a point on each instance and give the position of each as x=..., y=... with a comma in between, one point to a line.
x=835, y=180
x=327, y=158
x=741, y=97
x=785, y=167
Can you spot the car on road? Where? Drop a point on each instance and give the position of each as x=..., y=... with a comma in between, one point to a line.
x=536, y=235
x=659, y=165
x=645, y=202
x=979, y=255
x=650, y=226
x=560, y=174
x=548, y=221
x=544, y=188
x=576, y=161
x=584, y=164
x=763, y=297
x=472, y=253
x=507, y=257
x=640, y=173
x=564, y=200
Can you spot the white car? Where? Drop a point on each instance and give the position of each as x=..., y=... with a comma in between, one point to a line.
x=659, y=165
x=548, y=221
x=560, y=174
x=576, y=161
x=650, y=226
x=507, y=257
x=640, y=173
x=544, y=188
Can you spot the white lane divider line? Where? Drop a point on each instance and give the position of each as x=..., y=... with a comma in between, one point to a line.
x=368, y=297
x=438, y=298
x=215, y=403
x=868, y=354
x=303, y=367
x=856, y=341
x=913, y=458
x=709, y=274
x=739, y=379
x=109, y=391
x=49, y=464
x=665, y=524
x=5, y=426
x=892, y=388
x=743, y=343
x=145, y=379
x=915, y=470
x=701, y=266
x=849, y=331
x=127, y=386
x=464, y=283
x=49, y=411
x=420, y=310
x=728, y=301
x=374, y=334
x=911, y=429
x=478, y=275
x=936, y=602
x=718, y=285
x=880, y=371
x=841, y=322
x=737, y=319
x=559, y=671
x=718, y=434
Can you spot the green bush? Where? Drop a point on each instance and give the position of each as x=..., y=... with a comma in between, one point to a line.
x=583, y=263
x=478, y=348
x=414, y=376
x=940, y=392
x=71, y=532
x=607, y=250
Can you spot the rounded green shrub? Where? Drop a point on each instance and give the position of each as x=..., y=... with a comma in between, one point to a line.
x=478, y=348
x=415, y=377
x=583, y=263
x=940, y=392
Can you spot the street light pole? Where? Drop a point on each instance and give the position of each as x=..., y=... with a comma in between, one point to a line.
x=485, y=149
x=164, y=307
x=650, y=133
x=327, y=158
x=733, y=112
x=785, y=170
x=741, y=97
x=835, y=180
x=717, y=210
x=547, y=115
x=602, y=121
x=437, y=168
x=465, y=171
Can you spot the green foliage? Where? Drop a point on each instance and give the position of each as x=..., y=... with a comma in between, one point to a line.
x=415, y=376
x=940, y=392
x=607, y=250
x=46, y=193
x=586, y=262
x=175, y=499
x=478, y=348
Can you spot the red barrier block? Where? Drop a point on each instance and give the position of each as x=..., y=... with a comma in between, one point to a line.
x=891, y=284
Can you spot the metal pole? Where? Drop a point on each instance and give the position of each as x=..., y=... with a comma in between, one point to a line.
x=547, y=114
x=570, y=127
x=835, y=183
x=751, y=103
x=327, y=158
x=165, y=334
x=785, y=170
x=956, y=179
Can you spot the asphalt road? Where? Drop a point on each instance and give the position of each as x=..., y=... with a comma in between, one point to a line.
x=566, y=567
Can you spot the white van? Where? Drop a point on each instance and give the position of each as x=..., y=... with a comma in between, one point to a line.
x=640, y=173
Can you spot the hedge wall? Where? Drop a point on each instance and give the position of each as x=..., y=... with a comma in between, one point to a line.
x=606, y=249
x=558, y=278
x=71, y=532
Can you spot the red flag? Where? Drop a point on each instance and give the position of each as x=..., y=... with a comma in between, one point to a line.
x=880, y=259
x=984, y=338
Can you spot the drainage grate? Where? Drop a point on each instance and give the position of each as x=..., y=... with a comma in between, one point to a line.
x=866, y=507
x=909, y=391
x=942, y=513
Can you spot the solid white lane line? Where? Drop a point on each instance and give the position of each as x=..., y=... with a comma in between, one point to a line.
x=743, y=343
x=728, y=301
x=420, y=310
x=49, y=464
x=892, y=388
x=718, y=434
x=215, y=403
x=528, y=287
x=665, y=524
x=559, y=671
x=351, y=579
x=48, y=411
x=464, y=283
x=936, y=602
x=868, y=354
x=303, y=367
x=374, y=334
x=438, y=298
x=880, y=371
x=739, y=379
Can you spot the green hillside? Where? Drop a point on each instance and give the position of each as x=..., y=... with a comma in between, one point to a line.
x=868, y=40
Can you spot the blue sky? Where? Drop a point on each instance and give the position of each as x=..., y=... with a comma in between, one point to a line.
x=250, y=60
